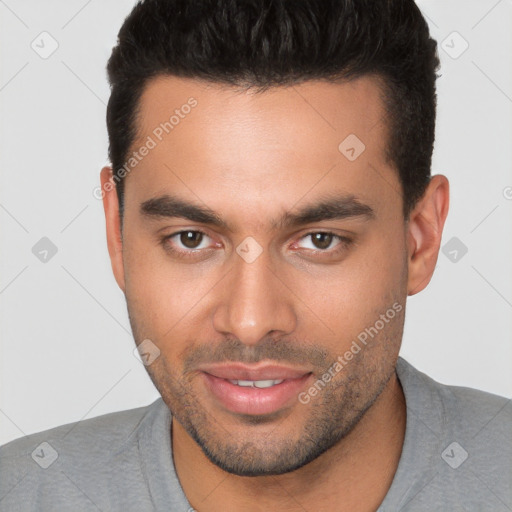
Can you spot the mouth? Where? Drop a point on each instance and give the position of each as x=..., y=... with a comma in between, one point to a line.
x=254, y=390
x=261, y=384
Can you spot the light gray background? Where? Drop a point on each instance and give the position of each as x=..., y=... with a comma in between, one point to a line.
x=66, y=348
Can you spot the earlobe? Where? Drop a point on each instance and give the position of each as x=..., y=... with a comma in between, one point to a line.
x=113, y=225
x=424, y=232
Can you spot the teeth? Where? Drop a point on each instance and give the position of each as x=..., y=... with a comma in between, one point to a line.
x=256, y=383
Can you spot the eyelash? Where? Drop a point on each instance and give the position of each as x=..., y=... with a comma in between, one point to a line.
x=344, y=243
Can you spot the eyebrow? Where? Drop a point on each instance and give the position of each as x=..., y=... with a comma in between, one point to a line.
x=328, y=208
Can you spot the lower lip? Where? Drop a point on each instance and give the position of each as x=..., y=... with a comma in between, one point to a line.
x=250, y=400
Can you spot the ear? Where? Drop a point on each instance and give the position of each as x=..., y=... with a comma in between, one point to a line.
x=113, y=223
x=424, y=231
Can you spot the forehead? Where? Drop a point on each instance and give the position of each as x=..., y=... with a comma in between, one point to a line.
x=236, y=149
x=314, y=107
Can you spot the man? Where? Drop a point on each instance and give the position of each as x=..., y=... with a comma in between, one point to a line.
x=269, y=208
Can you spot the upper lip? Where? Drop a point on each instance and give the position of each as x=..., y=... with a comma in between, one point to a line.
x=240, y=371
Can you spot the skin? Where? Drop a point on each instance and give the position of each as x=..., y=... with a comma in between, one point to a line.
x=250, y=158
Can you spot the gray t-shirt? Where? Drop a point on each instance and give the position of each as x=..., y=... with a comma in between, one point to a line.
x=457, y=456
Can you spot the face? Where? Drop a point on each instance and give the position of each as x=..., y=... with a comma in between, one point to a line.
x=257, y=248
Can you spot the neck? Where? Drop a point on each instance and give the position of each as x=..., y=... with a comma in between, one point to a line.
x=354, y=475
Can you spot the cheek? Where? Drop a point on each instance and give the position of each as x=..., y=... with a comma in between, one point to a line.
x=151, y=291
x=352, y=294
x=382, y=276
x=163, y=295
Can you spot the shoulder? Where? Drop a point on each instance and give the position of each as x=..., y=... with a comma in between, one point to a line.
x=458, y=446
x=469, y=409
x=38, y=467
x=111, y=430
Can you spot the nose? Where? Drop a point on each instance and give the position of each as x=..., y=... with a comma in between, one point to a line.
x=255, y=303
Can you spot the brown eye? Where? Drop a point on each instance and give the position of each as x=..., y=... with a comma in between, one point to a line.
x=322, y=240
x=191, y=239
x=189, y=243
